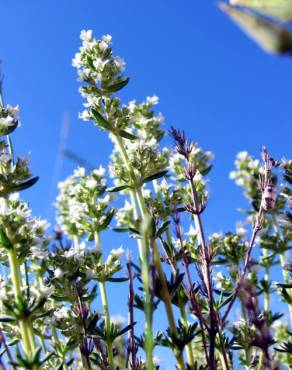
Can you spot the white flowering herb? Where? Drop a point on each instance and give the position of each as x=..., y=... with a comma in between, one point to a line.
x=56, y=311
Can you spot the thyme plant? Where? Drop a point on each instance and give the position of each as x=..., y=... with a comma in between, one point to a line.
x=216, y=291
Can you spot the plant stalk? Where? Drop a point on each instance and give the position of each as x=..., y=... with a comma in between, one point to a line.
x=24, y=324
x=104, y=300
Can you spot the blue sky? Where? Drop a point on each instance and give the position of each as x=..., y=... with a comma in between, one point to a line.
x=212, y=81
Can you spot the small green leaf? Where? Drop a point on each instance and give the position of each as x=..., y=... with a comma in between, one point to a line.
x=24, y=185
x=107, y=220
x=118, y=280
x=4, y=241
x=120, y=229
x=8, y=129
x=116, y=85
x=116, y=189
x=127, y=135
x=7, y=319
x=155, y=176
x=100, y=120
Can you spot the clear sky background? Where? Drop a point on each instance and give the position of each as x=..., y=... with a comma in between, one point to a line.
x=212, y=81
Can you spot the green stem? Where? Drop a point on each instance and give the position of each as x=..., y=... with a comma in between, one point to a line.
x=246, y=350
x=145, y=268
x=24, y=324
x=104, y=300
x=286, y=278
x=189, y=348
x=285, y=273
x=144, y=214
x=26, y=280
x=167, y=303
x=222, y=360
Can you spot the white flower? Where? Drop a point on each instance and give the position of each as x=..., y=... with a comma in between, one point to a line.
x=146, y=193
x=4, y=209
x=119, y=62
x=132, y=106
x=103, y=45
x=105, y=200
x=153, y=100
x=219, y=276
x=192, y=233
x=118, y=252
x=85, y=115
x=254, y=164
x=107, y=38
x=14, y=111
x=242, y=155
x=118, y=319
x=91, y=183
x=100, y=171
x=164, y=185
x=86, y=35
x=98, y=63
x=216, y=236
x=61, y=313
x=79, y=172
x=241, y=230
x=76, y=61
x=127, y=206
x=239, y=182
x=7, y=121
x=58, y=273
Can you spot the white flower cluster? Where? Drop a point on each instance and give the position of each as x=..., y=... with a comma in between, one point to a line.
x=124, y=215
x=223, y=282
x=142, y=120
x=94, y=59
x=9, y=119
x=97, y=67
x=82, y=204
x=113, y=262
x=144, y=158
x=23, y=231
x=246, y=168
x=200, y=158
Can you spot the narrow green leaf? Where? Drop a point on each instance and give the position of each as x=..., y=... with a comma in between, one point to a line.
x=107, y=220
x=24, y=185
x=120, y=229
x=269, y=35
x=118, y=188
x=118, y=280
x=7, y=319
x=117, y=85
x=127, y=135
x=4, y=241
x=280, y=9
x=155, y=176
x=100, y=120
